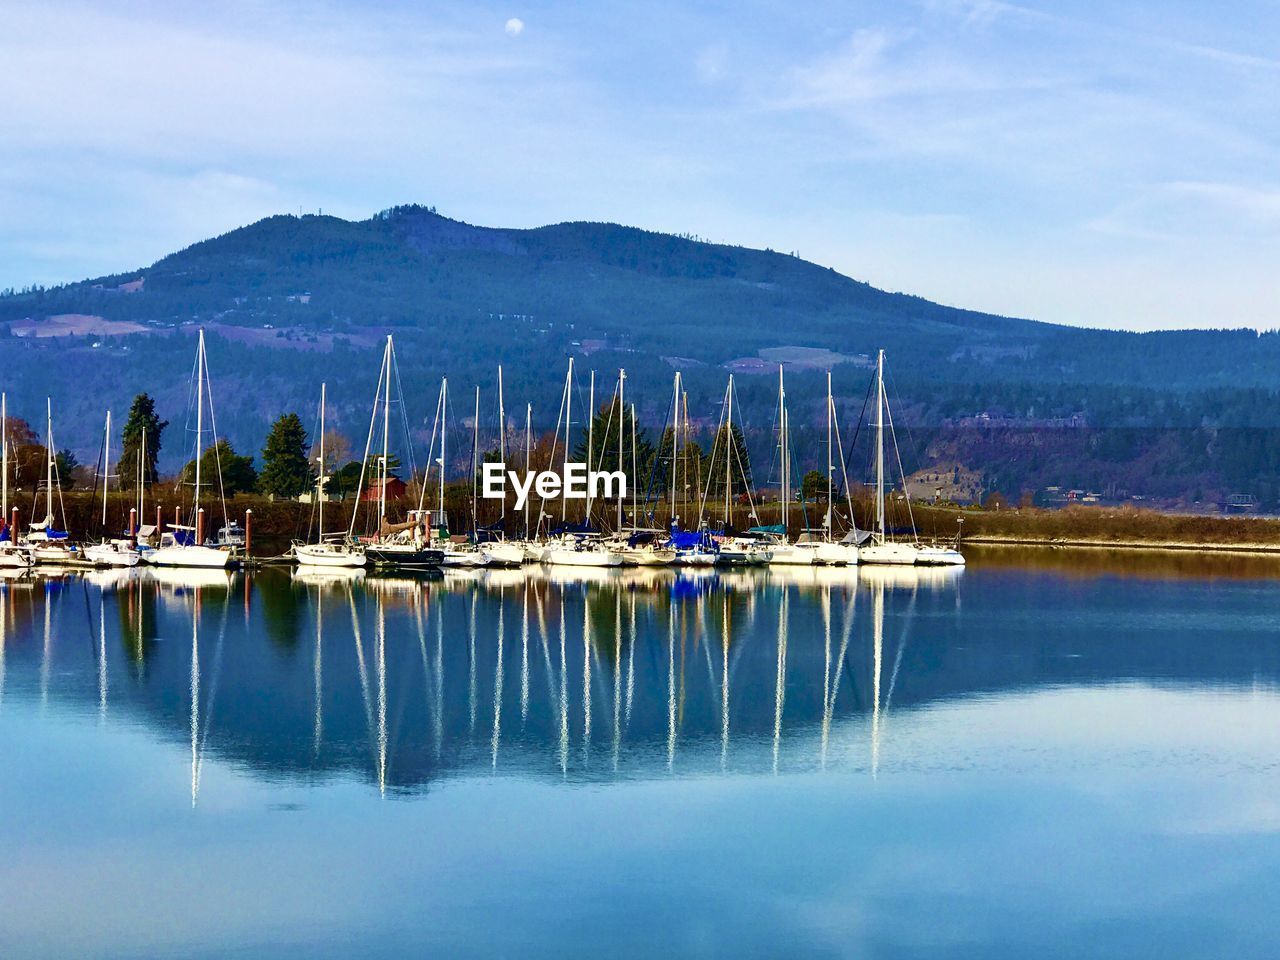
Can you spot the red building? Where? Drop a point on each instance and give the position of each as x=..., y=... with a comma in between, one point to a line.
x=395, y=489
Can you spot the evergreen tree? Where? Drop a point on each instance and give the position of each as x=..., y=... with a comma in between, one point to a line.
x=604, y=439
x=142, y=421
x=286, y=472
x=734, y=447
x=814, y=486
x=237, y=473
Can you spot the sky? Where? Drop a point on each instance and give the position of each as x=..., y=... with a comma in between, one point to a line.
x=1099, y=164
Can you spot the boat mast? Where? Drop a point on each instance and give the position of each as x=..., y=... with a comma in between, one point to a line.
x=528, y=446
x=782, y=444
x=568, y=430
x=675, y=441
x=831, y=467
x=195, y=509
x=320, y=481
x=502, y=444
x=475, y=463
x=635, y=506
x=622, y=385
x=591, y=443
x=386, y=438
x=728, y=452
x=48, y=483
x=142, y=466
x=880, y=444
x=444, y=432
x=106, y=469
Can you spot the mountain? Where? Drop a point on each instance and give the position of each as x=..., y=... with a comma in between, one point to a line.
x=289, y=301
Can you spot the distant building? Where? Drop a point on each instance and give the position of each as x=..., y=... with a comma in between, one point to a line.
x=396, y=488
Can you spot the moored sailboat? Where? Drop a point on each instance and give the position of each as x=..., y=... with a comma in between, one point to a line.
x=184, y=546
x=335, y=551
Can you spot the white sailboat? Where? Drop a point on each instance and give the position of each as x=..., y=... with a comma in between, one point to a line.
x=13, y=555
x=500, y=552
x=578, y=549
x=48, y=544
x=332, y=551
x=181, y=546
x=115, y=551
x=881, y=548
x=783, y=552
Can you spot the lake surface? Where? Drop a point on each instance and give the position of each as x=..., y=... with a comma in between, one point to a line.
x=1032, y=757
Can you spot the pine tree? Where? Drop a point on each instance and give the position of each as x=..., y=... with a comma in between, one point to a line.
x=142, y=421
x=286, y=472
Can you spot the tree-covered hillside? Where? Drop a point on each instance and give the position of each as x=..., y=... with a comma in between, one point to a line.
x=290, y=301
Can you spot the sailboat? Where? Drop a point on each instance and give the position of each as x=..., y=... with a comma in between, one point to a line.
x=117, y=551
x=783, y=552
x=581, y=548
x=395, y=544
x=500, y=552
x=47, y=544
x=183, y=546
x=734, y=551
x=881, y=547
x=335, y=550
x=13, y=556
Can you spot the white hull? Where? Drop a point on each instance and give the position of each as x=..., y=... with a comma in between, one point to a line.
x=837, y=554
x=462, y=558
x=562, y=557
x=13, y=557
x=193, y=556
x=648, y=557
x=503, y=554
x=328, y=555
x=112, y=555
x=696, y=558
x=939, y=557
x=889, y=552
x=794, y=555
x=54, y=553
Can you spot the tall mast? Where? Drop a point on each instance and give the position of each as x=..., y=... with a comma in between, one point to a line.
x=502, y=440
x=635, y=506
x=444, y=432
x=475, y=461
x=320, y=481
x=831, y=467
x=880, y=444
x=386, y=438
x=591, y=442
x=622, y=384
x=142, y=466
x=528, y=446
x=106, y=469
x=728, y=450
x=48, y=483
x=199, y=420
x=675, y=441
x=782, y=445
x=568, y=432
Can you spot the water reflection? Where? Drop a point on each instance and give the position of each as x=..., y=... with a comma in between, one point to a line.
x=402, y=681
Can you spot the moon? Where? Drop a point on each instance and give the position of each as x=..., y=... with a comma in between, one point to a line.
x=514, y=27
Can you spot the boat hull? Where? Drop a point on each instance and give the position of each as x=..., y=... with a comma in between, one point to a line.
x=388, y=556
x=111, y=555
x=503, y=554
x=558, y=557
x=192, y=556
x=328, y=555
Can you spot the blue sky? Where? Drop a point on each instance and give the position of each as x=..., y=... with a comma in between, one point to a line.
x=1102, y=164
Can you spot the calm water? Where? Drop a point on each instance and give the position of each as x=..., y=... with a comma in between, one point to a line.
x=1027, y=758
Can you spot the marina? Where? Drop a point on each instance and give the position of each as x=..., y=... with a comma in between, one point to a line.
x=795, y=757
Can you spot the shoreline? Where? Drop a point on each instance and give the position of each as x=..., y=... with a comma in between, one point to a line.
x=987, y=540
